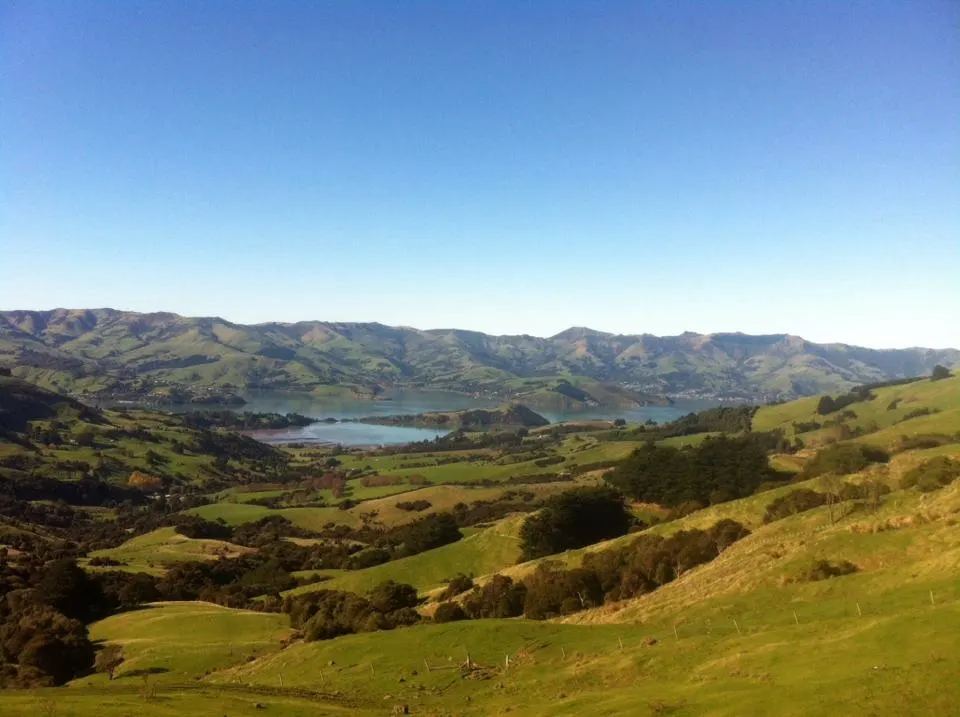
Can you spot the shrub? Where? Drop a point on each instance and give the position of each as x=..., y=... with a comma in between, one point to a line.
x=924, y=440
x=414, y=506
x=368, y=558
x=459, y=584
x=574, y=519
x=428, y=533
x=843, y=458
x=798, y=501
x=194, y=527
x=449, y=612
x=939, y=373
x=932, y=475
x=109, y=659
x=325, y=614
x=552, y=592
x=499, y=598
x=917, y=413
x=826, y=569
x=671, y=476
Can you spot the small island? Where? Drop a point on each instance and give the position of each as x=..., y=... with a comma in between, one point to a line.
x=514, y=415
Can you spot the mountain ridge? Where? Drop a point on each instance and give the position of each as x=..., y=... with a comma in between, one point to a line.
x=108, y=350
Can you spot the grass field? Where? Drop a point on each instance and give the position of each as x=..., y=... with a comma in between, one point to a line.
x=239, y=513
x=175, y=641
x=480, y=553
x=885, y=415
x=150, y=552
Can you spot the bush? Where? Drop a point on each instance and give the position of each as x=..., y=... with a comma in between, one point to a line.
x=449, y=612
x=826, y=569
x=932, y=475
x=798, y=501
x=193, y=527
x=552, y=592
x=917, y=413
x=414, y=506
x=939, y=373
x=458, y=585
x=925, y=440
x=368, y=558
x=325, y=614
x=574, y=519
x=499, y=598
x=843, y=458
x=671, y=476
x=428, y=533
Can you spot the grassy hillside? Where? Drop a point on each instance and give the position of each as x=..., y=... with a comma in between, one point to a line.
x=487, y=551
x=177, y=641
x=150, y=552
x=883, y=419
x=104, y=349
x=47, y=435
x=755, y=631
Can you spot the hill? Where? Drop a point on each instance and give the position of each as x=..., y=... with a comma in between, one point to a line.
x=516, y=415
x=173, y=358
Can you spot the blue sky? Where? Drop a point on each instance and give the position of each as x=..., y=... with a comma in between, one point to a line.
x=510, y=167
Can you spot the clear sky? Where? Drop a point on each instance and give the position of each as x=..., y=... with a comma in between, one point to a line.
x=510, y=167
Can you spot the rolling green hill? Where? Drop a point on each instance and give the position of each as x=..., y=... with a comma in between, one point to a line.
x=183, y=358
x=753, y=631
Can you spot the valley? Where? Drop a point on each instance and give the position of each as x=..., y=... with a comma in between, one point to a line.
x=829, y=532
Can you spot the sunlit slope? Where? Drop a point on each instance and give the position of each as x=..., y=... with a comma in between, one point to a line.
x=883, y=419
x=489, y=550
x=152, y=551
x=178, y=640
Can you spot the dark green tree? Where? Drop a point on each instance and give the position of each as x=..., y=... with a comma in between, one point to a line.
x=574, y=519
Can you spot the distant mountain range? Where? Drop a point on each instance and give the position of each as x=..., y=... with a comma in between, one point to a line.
x=115, y=353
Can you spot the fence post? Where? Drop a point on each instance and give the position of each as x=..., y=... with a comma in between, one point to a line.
x=426, y=664
x=737, y=625
x=859, y=611
x=795, y=618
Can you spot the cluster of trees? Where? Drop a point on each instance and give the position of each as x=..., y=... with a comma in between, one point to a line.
x=244, y=421
x=932, y=475
x=939, y=373
x=324, y=614
x=827, y=404
x=797, y=501
x=719, y=469
x=606, y=576
x=414, y=506
x=573, y=519
x=44, y=611
x=843, y=458
x=723, y=419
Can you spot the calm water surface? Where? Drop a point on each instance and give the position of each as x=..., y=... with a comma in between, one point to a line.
x=410, y=402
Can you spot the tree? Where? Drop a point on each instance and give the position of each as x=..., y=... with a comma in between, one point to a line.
x=619, y=422
x=939, y=373
x=574, y=519
x=67, y=589
x=449, y=612
x=825, y=405
x=109, y=659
